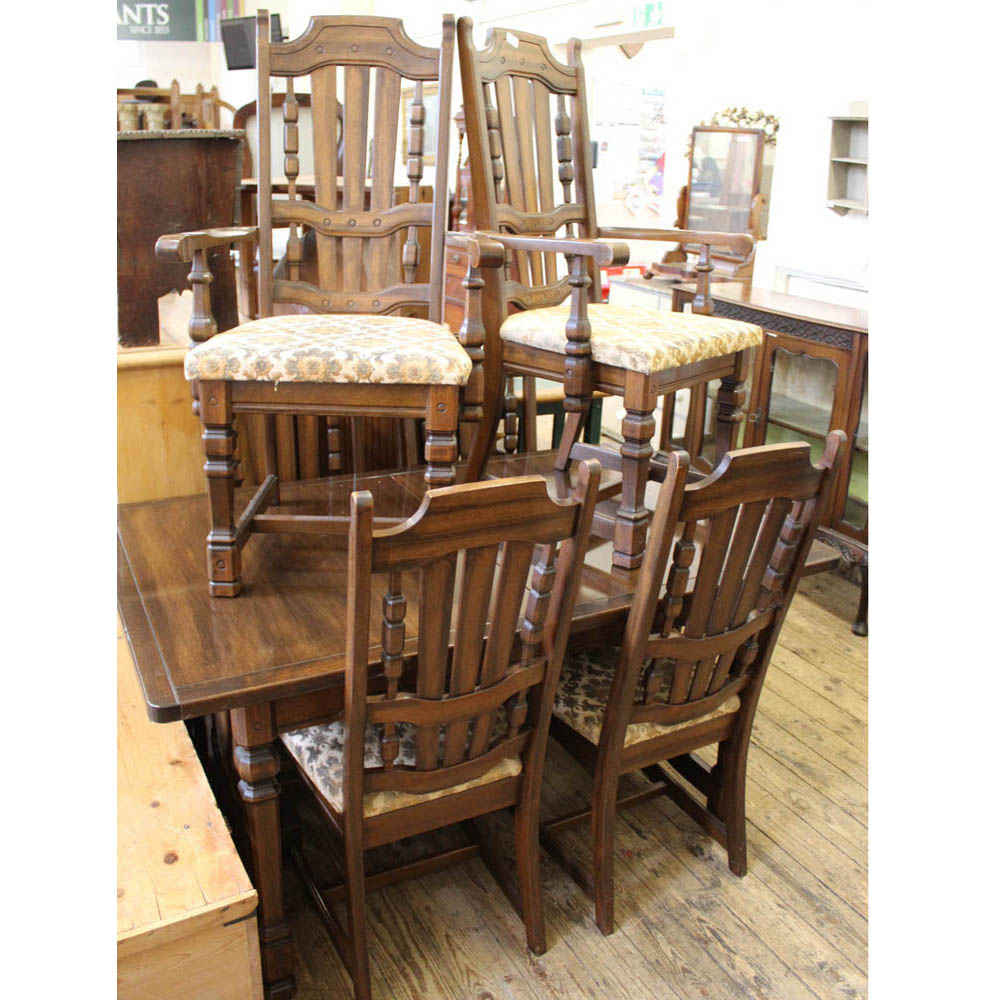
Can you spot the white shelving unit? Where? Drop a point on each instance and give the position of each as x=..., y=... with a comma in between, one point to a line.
x=847, y=188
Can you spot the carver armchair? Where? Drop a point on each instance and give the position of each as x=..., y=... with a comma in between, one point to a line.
x=371, y=342
x=526, y=121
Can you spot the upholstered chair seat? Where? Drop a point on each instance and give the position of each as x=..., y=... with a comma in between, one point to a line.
x=639, y=340
x=387, y=350
x=585, y=688
x=319, y=752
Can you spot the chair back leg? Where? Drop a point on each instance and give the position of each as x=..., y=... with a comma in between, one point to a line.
x=357, y=927
x=529, y=874
x=733, y=757
x=602, y=827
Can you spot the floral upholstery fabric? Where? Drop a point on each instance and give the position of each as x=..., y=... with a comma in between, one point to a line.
x=333, y=348
x=582, y=698
x=639, y=340
x=319, y=751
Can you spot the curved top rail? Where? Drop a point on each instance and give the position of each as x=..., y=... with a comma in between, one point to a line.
x=362, y=41
x=528, y=55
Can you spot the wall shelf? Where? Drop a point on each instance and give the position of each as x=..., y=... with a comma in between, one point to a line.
x=847, y=186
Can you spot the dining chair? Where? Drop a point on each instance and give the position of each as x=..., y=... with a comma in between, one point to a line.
x=373, y=343
x=458, y=728
x=686, y=669
x=522, y=143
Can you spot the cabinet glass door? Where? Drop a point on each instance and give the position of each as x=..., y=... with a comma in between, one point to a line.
x=802, y=392
x=856, y=507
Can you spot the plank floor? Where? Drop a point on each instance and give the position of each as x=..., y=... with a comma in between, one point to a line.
x=795, y=927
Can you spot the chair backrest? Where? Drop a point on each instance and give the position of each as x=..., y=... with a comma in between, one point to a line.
x=756, y=514
x=246, y=119
x=529, y=152
x=356, y=226
x=470, y=548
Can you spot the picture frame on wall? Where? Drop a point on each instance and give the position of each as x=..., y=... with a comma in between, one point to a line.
x=431, y=100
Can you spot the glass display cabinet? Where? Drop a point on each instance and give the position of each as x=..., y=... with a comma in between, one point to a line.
x=809, y=377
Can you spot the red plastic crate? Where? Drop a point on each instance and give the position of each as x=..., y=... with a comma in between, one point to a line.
x=628, y=270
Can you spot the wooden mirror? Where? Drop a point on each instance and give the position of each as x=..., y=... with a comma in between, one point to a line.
x=724, y=177
x=725, y=193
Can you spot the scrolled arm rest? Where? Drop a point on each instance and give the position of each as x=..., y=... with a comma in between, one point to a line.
x=191, y=247
x=741, y=243
x=181, y=247
x=483, y=250
x=604, y=253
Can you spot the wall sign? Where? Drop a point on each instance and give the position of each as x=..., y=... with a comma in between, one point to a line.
x=176, y=20
x=647, y=15
x=160, y=20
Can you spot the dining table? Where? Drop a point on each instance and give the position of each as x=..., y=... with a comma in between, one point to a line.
x=272, y=659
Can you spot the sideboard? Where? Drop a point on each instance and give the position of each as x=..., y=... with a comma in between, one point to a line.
x=810, y=376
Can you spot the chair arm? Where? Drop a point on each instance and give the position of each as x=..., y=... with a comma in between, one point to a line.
x=181, y=247
x=193, y=247
x=483, y=250
x=605, y=254
x=741, y=243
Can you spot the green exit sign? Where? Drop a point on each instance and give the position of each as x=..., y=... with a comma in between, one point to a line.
x=647, y=15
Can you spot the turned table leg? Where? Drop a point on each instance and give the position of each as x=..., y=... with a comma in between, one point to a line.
x=255, y=756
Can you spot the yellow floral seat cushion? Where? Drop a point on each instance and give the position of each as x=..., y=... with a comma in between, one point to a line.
x=392, y=350
x=639, y=340
x=319, y=751
x=582, y=698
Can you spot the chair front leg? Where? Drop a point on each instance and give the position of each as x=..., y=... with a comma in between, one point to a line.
x=636, y=451
x=441, y=435
x=579, y=380
x=510, y=417
x=219, y=437
x=729, y=412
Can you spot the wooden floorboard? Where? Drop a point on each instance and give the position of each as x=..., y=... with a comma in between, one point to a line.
x=686, y=928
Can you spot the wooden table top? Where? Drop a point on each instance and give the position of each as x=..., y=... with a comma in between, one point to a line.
x=283, y=636
x=783, y=304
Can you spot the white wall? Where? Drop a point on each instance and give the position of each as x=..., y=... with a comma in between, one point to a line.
x=802, y=62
